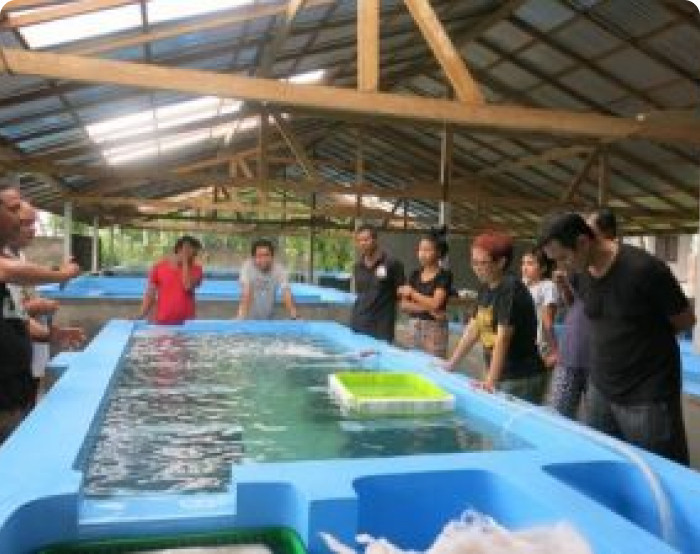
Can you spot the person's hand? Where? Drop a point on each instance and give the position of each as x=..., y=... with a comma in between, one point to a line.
x=404, y=291
x=68, y=337
x=187, y=253
x=559, y=276
x=550, y=360
x=68, y=270
x=439, y=316
x=40, y=306
x=447, y=365
x=485, y=386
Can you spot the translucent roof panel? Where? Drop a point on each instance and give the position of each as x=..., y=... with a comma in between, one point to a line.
x=79, y=27
x=168, y=10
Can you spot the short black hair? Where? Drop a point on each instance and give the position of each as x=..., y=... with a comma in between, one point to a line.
x=546, y=265
x=188, y=239
x=438, y=237
x=262, y=243
x=605, y=222
x=9, y=181
x=565, y=228
x=366, y=227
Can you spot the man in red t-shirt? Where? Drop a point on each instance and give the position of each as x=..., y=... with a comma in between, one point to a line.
x=171, y=284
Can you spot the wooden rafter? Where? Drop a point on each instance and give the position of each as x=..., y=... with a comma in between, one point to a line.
x=51, y=13
x=295, y=146
x=368, y=45
x=446, y=54
x=270, y=51
x=326, y=98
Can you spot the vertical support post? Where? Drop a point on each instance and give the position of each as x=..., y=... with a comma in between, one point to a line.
x=312, y=239
x=696, y=291
x=67, y=229
x=95, y=244
x=112, y=253
x=603, y=174
x=446, y=143
x=263, y=139
x=282, y=242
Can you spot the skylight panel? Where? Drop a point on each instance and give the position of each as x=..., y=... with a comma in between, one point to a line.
x=180, y=141
x=308, y=77
x=168, y=10
x=79, y=27
x=121, y=127
x=131, y=152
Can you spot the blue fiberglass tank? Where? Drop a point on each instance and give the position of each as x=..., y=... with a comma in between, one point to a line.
x=228, y=425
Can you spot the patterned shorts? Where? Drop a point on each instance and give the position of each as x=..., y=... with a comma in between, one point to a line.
x=430, y=335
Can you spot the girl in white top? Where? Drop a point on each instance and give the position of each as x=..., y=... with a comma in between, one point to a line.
x=536, y=272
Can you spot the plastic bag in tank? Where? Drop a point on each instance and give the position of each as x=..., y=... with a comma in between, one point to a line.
x=478, y=534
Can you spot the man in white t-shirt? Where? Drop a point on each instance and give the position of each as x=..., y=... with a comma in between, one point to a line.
x=261, y=278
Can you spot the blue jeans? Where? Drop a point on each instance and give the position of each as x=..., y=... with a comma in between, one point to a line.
x=656, y=426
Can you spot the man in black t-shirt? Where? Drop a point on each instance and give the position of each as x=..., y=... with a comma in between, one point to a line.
x=377, y=279
x=636, y=307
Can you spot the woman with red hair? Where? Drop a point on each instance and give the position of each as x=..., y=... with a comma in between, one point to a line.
x=504, y=322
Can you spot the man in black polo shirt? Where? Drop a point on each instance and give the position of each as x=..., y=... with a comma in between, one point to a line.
x=377, y=279
x=636, y=307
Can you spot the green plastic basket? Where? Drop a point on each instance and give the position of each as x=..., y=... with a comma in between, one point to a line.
x=375, y=393
x=279, y=540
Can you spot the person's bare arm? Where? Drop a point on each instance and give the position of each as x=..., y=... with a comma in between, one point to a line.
x=20, y=272
x=683, y=321
x=191, y=278
x=40, y=306
x=38, y=331
x=563, y=284
x=246, y=299
x=504, y=336
x=288, y=300
x=149, y=298
x=429, y=303
x=409, y=307
x=466, y=343
x=549, y=314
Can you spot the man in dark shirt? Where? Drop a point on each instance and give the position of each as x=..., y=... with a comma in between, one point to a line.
x=636, y=307
x=377, y=279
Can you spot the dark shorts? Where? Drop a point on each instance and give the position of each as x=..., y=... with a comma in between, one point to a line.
x=655, y=426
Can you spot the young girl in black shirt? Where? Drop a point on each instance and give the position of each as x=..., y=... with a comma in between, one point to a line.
x=424, y=299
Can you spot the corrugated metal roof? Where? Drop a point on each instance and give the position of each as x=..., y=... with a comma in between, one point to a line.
x=622, y=57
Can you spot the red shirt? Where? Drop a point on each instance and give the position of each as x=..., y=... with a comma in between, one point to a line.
x=175, y=304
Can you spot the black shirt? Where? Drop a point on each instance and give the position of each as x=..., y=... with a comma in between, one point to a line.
x=509, y=304
x=442, y=280
x=374, y=312
x=17, y=386
x=635, y=355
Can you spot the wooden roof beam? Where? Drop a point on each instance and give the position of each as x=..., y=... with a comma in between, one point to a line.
x=368, y=45
x=327, y=98
x=445, y=52
x=52, y=13
x=295, y=146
